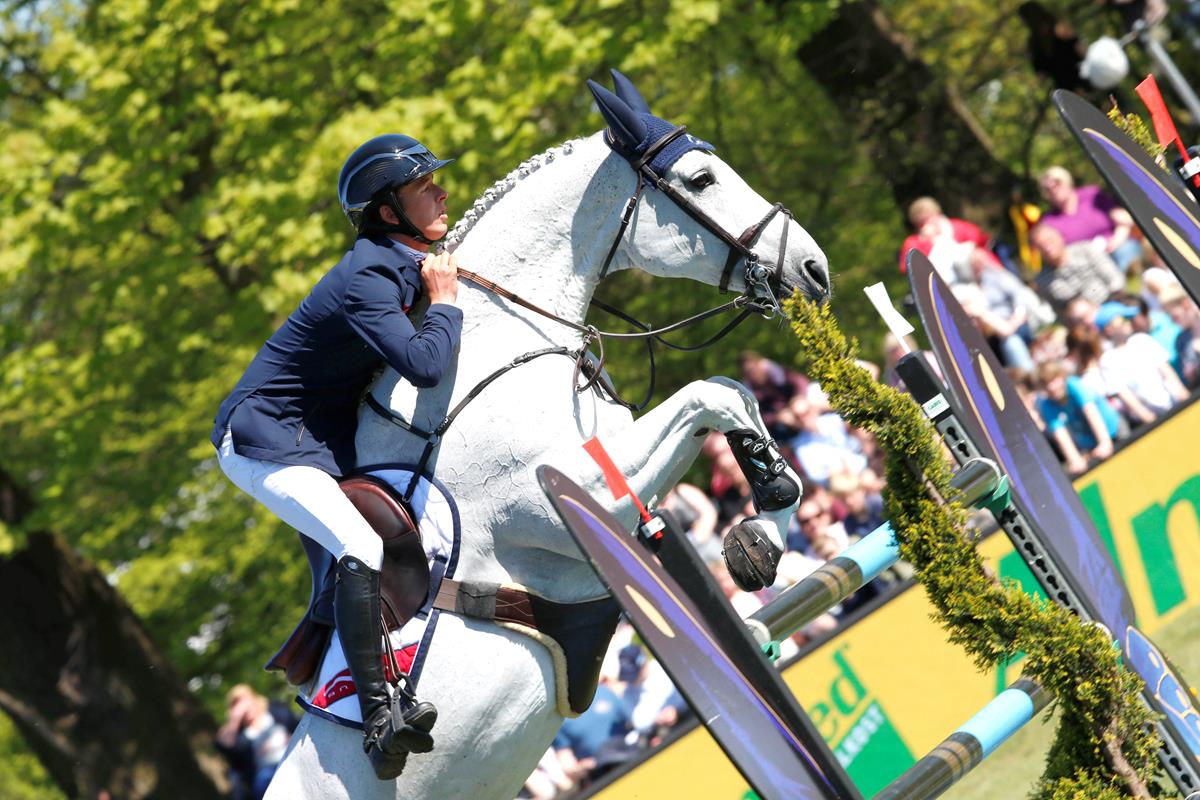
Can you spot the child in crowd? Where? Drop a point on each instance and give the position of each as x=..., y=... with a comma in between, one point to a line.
x=1077, y=419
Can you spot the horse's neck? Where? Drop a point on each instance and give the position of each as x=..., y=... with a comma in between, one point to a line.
x=545, y=240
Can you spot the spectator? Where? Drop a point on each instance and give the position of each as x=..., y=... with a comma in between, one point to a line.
x=589, y=745
x=1085, y=346
x=1080, y=311
x=1183, y=312
x=697, y=516
x=652, y=702
x=1025, y=382
x=822, y=443
x=865, y=508
x=1075, y=270
x=1050, y=344
x=773, y=385
x=952, y=245
x=547, y=780
x=1155, y=279
x=1136, y=361
x=1001, y=332
x=1088, y=214
x=253, y=739
x=820, y=537
x=1158, y=325
x=1077, y=419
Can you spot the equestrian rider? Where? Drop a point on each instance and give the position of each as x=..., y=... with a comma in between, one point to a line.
x=286, y=432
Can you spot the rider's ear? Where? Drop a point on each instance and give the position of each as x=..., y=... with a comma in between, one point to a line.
x=626, y=127
x=629, y=93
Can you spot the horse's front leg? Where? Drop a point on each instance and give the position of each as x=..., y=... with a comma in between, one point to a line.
x=656, y=450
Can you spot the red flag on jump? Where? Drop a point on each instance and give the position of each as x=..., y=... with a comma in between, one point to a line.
x=1164, y=126
x=613, y=476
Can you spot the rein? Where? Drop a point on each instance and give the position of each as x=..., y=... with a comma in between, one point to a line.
x=760, y=295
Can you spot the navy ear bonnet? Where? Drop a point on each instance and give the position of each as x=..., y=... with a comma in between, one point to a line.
x=632, y=128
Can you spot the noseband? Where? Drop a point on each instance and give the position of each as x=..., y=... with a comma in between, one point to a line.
x=763, y=282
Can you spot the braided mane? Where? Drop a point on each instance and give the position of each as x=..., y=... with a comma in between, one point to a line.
x=502, y=187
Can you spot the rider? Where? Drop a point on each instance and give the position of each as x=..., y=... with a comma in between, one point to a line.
x=287, y=430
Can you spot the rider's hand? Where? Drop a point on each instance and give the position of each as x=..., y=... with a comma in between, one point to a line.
x=439, y=273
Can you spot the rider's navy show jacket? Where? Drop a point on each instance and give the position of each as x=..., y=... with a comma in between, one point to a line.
x=297, y=402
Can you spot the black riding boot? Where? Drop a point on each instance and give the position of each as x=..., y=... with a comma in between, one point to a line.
x=393, y=724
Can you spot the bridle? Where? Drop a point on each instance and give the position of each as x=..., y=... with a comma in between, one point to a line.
x=763, y=283
x=761, y=292
x=760, y=295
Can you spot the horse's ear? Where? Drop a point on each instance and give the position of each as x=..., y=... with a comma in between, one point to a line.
x=629, y=93
x=622, y=120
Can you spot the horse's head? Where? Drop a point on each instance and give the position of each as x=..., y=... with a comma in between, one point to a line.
x=717, y=229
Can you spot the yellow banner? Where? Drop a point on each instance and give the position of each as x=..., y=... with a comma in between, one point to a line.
x=868, y=689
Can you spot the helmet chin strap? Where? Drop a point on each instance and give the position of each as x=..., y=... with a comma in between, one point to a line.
x=403, y=225
x=406, y=226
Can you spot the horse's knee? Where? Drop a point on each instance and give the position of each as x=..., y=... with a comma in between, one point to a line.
x=724, y=396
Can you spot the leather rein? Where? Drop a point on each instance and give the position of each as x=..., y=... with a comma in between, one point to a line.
x=760, y=295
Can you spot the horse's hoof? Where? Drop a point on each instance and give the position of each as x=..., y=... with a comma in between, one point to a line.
x=750, y=556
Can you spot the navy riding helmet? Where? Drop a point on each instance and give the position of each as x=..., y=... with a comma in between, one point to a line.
x=373, y=173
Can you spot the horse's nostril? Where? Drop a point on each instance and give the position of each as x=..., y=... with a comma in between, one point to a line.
x=815, y=273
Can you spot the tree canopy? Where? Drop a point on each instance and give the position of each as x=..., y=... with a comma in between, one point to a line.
x=167, y=195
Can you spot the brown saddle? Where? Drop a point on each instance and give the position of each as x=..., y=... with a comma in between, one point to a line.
x=404, y=584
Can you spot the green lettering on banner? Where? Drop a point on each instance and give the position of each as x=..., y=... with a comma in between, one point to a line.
x=846, y=678
x=873, y=752
x=1093, y=503
x=1150, y=532
x=818, y=714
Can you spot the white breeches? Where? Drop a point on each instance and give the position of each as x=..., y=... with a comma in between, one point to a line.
x=308, y=499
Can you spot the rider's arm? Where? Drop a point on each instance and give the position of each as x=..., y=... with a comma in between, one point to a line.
x=376, y=306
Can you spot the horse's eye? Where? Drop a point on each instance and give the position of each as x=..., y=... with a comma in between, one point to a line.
x=702, y=180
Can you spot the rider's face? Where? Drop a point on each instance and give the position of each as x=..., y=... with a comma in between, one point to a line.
x=424, y=203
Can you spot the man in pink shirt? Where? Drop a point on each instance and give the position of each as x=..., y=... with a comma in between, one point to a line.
x=1086, y=214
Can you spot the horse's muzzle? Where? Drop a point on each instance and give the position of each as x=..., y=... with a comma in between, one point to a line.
x=813, y=282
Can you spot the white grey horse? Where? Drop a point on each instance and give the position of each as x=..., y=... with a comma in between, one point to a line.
x=544, y=233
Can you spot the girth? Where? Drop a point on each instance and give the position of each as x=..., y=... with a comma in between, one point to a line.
x=576, y=634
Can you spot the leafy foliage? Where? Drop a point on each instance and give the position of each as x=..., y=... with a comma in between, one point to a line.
x=166, y=198
x=1137, y=130
x=1103, y=748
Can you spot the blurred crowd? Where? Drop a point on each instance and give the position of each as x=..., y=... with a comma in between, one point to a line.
x=1098, y=336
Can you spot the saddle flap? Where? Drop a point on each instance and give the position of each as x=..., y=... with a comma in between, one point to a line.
x=404, y=584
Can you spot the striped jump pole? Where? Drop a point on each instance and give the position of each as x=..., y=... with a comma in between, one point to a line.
x=978, y=480
x=974, y=741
